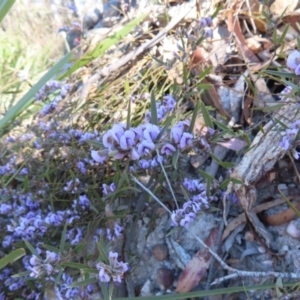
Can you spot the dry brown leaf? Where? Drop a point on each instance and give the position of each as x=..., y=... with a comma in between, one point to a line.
x=212, y=98
x=197, y=267
x=282, y=217
x=235, y=28
x=242, y=218
x=278, y=7
x=247, y=114
x=292, y=19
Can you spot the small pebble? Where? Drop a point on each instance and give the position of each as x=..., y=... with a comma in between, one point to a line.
x=160, y=252
x=164, y=278
x=249, y=236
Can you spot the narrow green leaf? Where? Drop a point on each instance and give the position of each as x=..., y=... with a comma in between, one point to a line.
x=51, y=248
x=104, y=291
x=31, y=249
x=223, y=127
x=21, y=274
x=95, y=143
x=74, y=265
x=225, y=183
x=206, y=115
x=290, y=204
x=175, y=158
x=28, y=98
x=205, y=73
x=128, y=114
x=5, y=6
x=11, y=257
x=282, y=37
x=104, y=46
x=223, y=164
x=211, y=292
x=166, y=126
x=63, y=239
x=281, y=74
x=84, y=282
x=153, y=109
x=205, y=175
x=194, y=116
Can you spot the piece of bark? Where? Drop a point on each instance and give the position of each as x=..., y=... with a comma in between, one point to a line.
x=265, y=152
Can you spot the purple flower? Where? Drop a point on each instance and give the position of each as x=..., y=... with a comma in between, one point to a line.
x=99, y=156
x=10, y=139
x=127, y=140
x=144, y=164
x=161, y=111
x=287, y=90
x=84, y=201
x=113, y=135
x=51, y=257
x=81, y=167
x=176, y=133
x=291, y=133
x=296, y=154
x=285, y=143
x=24, y=171
x=8, y=239
x=5, y=208
x=72, y=186
x=296, y=124
x=208, y=33
x=145, y=147
x=180, y=217
x=114, y=271
x=169, y=102
x=293, y=61
x=168, y=149
x=151, y=132
x=108, y=189
x=186, y=140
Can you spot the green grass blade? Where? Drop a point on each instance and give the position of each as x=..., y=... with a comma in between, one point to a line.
x=63, y=239
x=154, y=119
x=31, y=249
x=11, y=257
x=194, y=117
x=212, y=292
x=206, y=115
x=5, y=6
x=104, y=46
x=28, y=98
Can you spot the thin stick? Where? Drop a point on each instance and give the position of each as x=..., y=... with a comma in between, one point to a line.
x=150, y=193
x=169, y=184
x=219, y=259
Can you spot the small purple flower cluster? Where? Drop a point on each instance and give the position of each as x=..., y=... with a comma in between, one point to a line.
x=43, y=268
x=205, y=23
x=197, y=202
x=9, y=167
x=47, y=90
x=76, y=292
x=285, y=93
x=289, y=139
x=293, y=61
x=114, y=271
x=141, y=141
x=162, y=109
x=108, y=189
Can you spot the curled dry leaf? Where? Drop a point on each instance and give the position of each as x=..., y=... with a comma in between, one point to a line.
x=258, y=209
x=282, y=217
x=197, y=267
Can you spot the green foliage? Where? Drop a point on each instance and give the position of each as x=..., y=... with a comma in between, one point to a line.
x=5, y=6
x=11, y=257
